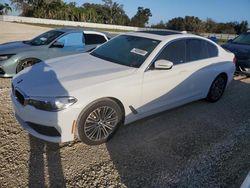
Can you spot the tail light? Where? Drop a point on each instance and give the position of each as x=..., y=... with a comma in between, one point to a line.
x=234, y=60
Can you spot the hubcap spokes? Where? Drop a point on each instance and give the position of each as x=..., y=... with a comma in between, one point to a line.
x=100, y=123
x=26, y=64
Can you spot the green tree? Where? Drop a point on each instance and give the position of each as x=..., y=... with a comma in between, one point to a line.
x=176, y=24
x=160, y=25
x=241, y=28
x=141, y=18
x=4, y=8
x=210, y=26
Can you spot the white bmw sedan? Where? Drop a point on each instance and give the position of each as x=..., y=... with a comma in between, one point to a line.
x=132, y=76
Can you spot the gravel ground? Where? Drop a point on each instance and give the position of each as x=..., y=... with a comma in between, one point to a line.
x=13, y=31
x=196, y=145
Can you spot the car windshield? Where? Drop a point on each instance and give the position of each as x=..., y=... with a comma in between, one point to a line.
x=126, y=50
x=243, y=39
x=45, y=38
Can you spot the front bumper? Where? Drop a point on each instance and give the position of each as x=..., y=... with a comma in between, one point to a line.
x=8, y=68
x=49, y=126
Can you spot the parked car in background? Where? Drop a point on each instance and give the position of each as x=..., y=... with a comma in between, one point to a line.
x=240, y=46
x=15, y=56
x=131, y=76
x=213, y=38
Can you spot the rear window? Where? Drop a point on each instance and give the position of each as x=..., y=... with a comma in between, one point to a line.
x=94, y=39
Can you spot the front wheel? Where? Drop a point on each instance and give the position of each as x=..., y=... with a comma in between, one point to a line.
x=99, y=122
x=26, y=63
x=217, y=88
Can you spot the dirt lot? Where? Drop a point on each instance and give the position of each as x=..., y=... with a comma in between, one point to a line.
x=196, y=145
x=13, y=31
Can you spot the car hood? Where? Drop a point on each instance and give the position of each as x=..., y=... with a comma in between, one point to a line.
x=238, y=49
x=14, y=47
x=62, y=76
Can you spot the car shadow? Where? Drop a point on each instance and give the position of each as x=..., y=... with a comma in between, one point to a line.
x=165, y=150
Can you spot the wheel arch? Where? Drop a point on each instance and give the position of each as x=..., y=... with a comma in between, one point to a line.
x=24, y=58
x=102, y=99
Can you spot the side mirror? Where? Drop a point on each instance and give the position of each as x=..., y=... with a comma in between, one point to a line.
x=163, y=64
x=230, y=41
x=57, y=45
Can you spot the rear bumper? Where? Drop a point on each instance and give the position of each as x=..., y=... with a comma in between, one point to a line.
x=243, y=67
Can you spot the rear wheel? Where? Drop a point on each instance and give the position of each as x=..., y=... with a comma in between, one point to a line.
x=98, y=123
x=26, y=63
x=217, y=88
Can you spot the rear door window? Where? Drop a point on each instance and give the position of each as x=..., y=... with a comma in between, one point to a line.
x=94, y=39
x=196, y=50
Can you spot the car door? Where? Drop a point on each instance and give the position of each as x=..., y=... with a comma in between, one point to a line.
x=167, y=87
x=73, y=43
x=202, y=59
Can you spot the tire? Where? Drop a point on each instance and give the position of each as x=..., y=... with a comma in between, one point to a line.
x=217, y=88
x=98, y=123
x=26, y=63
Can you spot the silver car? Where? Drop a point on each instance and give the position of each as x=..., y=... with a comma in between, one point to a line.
x=15, y=56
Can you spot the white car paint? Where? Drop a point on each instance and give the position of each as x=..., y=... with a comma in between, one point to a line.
x=88, y=78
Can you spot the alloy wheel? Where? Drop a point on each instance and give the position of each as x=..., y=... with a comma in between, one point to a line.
x=100, y=123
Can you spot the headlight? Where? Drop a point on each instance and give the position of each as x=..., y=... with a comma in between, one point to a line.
x=52, y=104
x=5, y=57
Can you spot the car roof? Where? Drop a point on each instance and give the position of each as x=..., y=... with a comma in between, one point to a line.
x=156, y=35
x=67, y=30
x=167, y=37
x=162, y=33
x=70, y=30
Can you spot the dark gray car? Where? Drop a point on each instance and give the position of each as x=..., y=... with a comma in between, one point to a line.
x=15, y=56
x=240, y=46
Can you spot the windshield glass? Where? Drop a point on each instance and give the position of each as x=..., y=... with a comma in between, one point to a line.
x=45, y=38
x=243, y=39
x=126, y=50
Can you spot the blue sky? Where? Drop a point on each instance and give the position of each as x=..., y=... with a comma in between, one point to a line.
x=218, y=10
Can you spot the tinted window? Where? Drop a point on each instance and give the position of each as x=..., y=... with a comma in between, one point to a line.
x=72, y=40
x=94, y=39
x=174, y=52
x=196, y=49
x=212, y=50
x=200, y=49
x=242, y=39
x=126, y=50
x=45, y=38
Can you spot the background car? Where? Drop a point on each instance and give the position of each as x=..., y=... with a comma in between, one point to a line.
x=213, y=38
x=131, y=76
x=15, y=56
x=240, y=46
